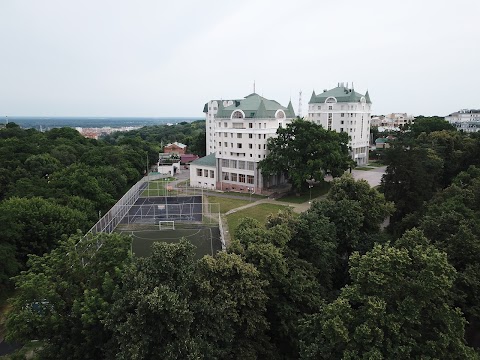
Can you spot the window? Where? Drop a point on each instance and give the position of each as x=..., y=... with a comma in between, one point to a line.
x=226, y=144
x=231, y=145
x=225, y=134
x=264, y=136
x=250, y=164
x=239, y=136
x=250, y=146
x=231, y=135
x=250, y=125
x=238, y=126
x=219, y=143
x=259, y=136
x=252, y=114
x=241, y=164
x=241, y=178
x=341, y=129
x=224, y=162
x=342, y=115
x=237, y=115
x=264, y=146
x=319, y=107
x=199, y=172
x=250, y=136
x=225, y=124
x=239, y=145
x=233, y=164
x=205, y=172
x=264, y=125
x=259, y=147
x=330, y=107
x=249, y=179
x=233, y=177
x=225, y=176
x=214, y=108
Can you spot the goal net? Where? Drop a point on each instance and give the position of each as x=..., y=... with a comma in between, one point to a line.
x=166, y=225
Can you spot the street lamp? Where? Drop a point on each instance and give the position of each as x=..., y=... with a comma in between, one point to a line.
x=310, y=188
x=252, y=190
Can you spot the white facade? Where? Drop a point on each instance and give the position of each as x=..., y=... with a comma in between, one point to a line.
x=210, y=110
x=465, y=120
x=203, y=176
x=237, y=133
x=343, y=110
x=392, y=121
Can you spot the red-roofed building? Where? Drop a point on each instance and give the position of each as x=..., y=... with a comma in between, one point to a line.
x=175, y=148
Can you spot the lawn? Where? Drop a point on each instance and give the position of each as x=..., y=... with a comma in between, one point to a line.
x=375, y=164
x=226, y=204
x=258, y=212
x=159, y=188
x=363, y=168
x=317, y=190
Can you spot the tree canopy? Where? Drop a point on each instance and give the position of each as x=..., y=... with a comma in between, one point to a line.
x=305, y=151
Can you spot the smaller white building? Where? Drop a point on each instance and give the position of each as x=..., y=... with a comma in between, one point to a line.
x=467, y=120
x=203, y=172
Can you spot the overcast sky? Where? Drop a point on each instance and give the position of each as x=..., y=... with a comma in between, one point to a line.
x=167, y=58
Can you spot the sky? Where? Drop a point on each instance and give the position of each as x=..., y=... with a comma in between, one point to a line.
x=168, y=58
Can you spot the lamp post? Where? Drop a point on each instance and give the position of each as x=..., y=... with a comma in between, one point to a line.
x=310, y=188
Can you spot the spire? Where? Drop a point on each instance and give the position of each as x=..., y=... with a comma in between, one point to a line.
x=290, y=112
x=367, y=98
x=254, y=86
x=261, y=112
x=312, y=99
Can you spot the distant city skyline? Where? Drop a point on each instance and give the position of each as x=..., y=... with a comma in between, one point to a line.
x=158, y=59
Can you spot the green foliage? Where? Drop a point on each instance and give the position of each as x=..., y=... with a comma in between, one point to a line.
x=306, y=151
x=34, y=226
x=430, y=124
x=65, y=304
x=292, y=289
x=397, y=307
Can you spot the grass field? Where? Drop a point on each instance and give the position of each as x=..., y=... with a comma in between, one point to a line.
x=258, y=212
x=206, y=240
x=226, y=204
x=364, y=168
x=375, y=164
x=159, y=188
x=317, y=190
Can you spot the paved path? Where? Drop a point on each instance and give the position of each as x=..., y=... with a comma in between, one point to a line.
x=373, y=176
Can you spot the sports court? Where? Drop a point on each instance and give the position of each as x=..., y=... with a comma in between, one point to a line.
x=151, y=211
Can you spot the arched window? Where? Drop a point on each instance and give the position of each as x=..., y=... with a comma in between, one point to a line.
x=331, y=100
x=237, y=115
x=280, y=114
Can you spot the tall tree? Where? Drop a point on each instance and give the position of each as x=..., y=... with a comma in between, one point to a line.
x=305, y=151
x=64, y=303
x=399, y=306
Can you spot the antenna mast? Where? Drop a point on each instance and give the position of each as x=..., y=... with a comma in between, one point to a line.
x=300, y=104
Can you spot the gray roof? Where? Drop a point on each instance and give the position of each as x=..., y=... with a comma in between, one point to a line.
x=255, y=106
x=341, y=93
x=208, y=160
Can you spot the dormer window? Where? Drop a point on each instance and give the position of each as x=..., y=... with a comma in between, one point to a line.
x=237, y=115
x=331, y=100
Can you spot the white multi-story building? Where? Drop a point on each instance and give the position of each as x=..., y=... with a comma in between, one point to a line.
x=237, y=132
x=343, y=110
x=466, y=120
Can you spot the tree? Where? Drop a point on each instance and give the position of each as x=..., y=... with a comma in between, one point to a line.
x=152, y=315
x=399, y=306
x=229, y=305
x=373, y=204
x=430, y=124
x=64, y=303
x=305, y=151
x=292, y=286
x=34, y=226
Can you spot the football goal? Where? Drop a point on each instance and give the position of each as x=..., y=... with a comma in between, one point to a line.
x=166, y=225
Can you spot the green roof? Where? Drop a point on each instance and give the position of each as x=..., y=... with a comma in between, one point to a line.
x=381, y=140
x=208, y=160
x=255, y=106
x=341, y=93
